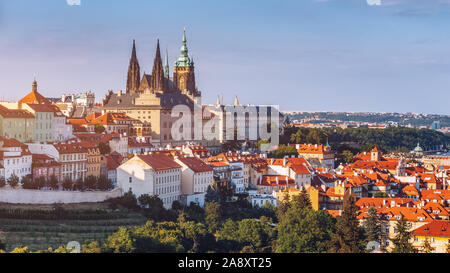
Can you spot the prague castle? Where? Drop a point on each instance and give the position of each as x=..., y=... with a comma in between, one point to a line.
x=150, y=98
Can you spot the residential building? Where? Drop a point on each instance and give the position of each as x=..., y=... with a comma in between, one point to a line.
x=196, y=175
x=152, y=174
x=46, y=167
x=15, y=123
x=15, y=157
x=73, y=159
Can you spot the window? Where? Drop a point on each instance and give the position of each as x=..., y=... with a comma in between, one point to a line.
x=130, y=179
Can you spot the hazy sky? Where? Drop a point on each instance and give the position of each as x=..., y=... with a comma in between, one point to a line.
x=339, y=55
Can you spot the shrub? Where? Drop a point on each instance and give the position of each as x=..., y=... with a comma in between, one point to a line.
x=13, y=181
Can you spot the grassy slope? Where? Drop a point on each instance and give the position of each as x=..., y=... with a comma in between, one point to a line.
x=42, y=234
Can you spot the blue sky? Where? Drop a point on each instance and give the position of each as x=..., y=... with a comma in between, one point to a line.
x=337, y=55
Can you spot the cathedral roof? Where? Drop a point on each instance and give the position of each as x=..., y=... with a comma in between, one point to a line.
x=168, y=101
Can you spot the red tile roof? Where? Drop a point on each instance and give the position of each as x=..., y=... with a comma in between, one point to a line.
x=195, y=164
x=159, y=161
x=14, y=113
x=436, y=228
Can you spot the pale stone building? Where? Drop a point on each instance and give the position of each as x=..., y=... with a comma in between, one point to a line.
x=152, y=174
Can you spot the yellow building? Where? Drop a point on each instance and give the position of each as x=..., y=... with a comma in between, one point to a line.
x=436, y=233
x=94, y=159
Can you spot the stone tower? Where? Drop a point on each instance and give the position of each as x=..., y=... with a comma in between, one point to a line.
x=134, y=73
x=159, y=82
x=183, y=74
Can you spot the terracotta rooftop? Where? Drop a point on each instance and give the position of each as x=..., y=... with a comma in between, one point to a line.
x=435, y=228
x=196, y=164
x=159, y=161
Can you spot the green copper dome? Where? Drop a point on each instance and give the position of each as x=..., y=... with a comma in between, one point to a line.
x=184, y=60
x=418, y=148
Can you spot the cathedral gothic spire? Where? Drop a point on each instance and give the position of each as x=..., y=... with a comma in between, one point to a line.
x=134, y=73
x=158, y=79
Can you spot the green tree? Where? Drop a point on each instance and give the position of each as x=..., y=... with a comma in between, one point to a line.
x=212, y=216
x=129, y=200
x=103, y=183
x=122, y=241
x=104, y=148
x=53, y=183
x=426, y=247
x=176, y=205
x=93, y=247
x=67, y=184
x=90, y=182
x=283, y=207
x=212, y=195
x=98, y=128
x=13, y=181
x=349, y=237
x=196, y=237
x=302, y=200
x=283, y=151
x=40, y=182
x=150, y=201
x=372, y=226
x=402, y=238
x=381, y=194
x=79, y=185
x=27, y=182
x=2, y=182
x=347, y=156
x=304, y=231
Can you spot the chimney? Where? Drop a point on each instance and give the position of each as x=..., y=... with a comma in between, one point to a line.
x=119, y=93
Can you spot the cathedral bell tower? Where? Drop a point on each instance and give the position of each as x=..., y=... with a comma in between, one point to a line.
x=134, y=73
x=183, y=73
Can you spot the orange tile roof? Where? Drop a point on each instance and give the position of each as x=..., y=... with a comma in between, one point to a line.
x=271, y=181
x=35, y=98
x=438, y=228
x=313, y=149
x=366, y=202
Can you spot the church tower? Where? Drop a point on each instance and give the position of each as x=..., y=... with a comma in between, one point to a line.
x=159, y=82
x=183, y=74
x=134, y=73
x=166, y=65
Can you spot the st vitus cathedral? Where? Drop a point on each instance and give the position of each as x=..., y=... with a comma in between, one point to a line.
x=183, y=80
x=150, y=98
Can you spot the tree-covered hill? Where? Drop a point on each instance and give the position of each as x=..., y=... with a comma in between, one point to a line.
x=389, y=139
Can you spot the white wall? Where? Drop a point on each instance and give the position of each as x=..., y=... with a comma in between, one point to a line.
x=21, y=196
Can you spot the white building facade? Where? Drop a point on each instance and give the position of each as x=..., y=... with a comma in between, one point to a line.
x=153, y=175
